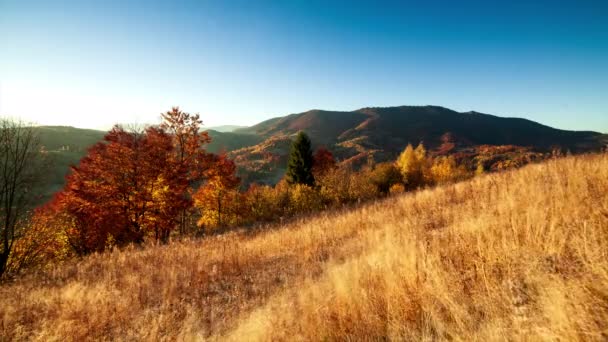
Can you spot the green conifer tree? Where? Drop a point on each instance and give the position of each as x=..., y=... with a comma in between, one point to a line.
x=299, y=167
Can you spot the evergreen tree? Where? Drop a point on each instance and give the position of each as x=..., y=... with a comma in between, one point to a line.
x=299, y=167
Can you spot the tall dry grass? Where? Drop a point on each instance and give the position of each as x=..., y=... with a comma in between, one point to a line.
x=512, y=256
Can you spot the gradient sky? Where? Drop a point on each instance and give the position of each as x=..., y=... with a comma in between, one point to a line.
x=91, y=64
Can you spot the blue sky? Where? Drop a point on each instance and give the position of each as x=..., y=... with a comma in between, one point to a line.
x=91, y=64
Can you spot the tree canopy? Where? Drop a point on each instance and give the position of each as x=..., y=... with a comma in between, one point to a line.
x=299, y=167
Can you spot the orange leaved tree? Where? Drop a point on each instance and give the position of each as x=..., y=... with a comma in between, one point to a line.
x=188, y=153
x=127, y=187
x=218, y=197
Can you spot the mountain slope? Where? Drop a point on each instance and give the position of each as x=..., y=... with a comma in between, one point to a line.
x=261, y=150
x=510, y=256
x=384, y=132
x=428, y=124
x=225, y=128
x=230, y=141
x=55, y=138
x=65, y=146
x=391, y=128
x=322, y=126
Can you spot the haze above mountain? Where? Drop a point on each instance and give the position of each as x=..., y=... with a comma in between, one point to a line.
x=225, y=128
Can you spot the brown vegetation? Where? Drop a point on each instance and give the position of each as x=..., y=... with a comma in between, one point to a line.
x=153, y=184
x=519, y=255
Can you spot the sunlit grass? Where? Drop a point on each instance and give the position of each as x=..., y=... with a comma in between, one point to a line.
x=512, y=256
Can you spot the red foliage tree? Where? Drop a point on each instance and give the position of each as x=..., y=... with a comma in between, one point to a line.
x=188, y=152
x=323, y=161
x=127, y=186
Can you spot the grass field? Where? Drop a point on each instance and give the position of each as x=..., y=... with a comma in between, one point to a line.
x=519, y=255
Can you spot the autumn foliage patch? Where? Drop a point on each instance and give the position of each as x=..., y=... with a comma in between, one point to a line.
x=156, y=183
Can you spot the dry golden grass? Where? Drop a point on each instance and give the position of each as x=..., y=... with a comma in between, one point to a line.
x=512, y=256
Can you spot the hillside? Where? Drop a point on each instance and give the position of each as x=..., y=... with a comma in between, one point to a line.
x=66, y=146
x=230, y=141
x=65, y=138
x=384, y=132
x=260, y=151
x=518, y=255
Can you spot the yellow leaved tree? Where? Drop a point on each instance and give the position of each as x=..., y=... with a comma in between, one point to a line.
x=446, y=169
x=218, y=199
x=412, y=164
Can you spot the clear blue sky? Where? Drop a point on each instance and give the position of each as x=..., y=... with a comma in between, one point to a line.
x=90, y=64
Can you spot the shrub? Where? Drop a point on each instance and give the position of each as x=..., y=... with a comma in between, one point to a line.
x=384, y=176
x=303, y=199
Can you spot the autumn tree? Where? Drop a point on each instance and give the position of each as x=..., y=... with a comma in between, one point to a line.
x=261, y=203
x=443, y=169
x=127, y=187
x=217, y=198
x=299, y=167
x=323, y=161
x=21, y=164
x=304, y=198
x=412, y=163
x=384, y=176
x=361, y=187
x=43, y=242
x=335, y=185
x=188, y=152
x=166, y=183
x=343, y=185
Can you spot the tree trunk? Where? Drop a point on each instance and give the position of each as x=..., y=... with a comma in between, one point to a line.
x=3, y=262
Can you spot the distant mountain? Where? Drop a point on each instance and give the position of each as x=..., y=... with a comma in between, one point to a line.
x=392, y=128
x=225, y=128
x=66, y=138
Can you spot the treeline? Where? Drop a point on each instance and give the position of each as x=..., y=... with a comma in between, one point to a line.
x=154, y=183
x=315, y=181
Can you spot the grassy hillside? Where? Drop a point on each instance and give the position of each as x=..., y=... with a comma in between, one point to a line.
x=518, y=255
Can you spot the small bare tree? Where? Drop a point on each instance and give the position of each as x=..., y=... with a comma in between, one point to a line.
x=20, y=167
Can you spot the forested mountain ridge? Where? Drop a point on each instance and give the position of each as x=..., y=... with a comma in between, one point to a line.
x=381, y=133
